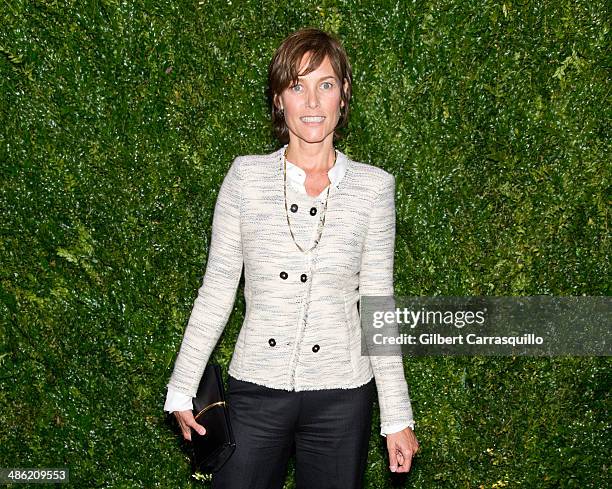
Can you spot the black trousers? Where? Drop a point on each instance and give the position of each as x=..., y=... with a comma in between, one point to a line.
x=328, y=430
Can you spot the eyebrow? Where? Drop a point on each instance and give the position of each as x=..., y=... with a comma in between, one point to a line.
x=322, y=78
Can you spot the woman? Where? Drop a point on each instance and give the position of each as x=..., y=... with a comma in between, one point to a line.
x=314, y=230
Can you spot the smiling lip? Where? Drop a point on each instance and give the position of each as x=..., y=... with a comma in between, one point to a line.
x=312, y=122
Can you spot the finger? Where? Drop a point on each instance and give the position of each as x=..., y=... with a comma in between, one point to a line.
x=182, y=426
x=186, y=431
x=405, y=467
x=186, y=422
x=400, y=458
x=198, y=427
x=406, y=461
x=393, y=460
x=192, y=423
x=400, y=463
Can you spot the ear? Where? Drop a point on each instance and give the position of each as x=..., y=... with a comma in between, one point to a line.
x=344, y=88
x=276, y=102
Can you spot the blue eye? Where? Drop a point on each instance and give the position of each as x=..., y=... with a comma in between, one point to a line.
x=329, y=86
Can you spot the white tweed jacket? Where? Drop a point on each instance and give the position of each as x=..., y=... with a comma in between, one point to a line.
x=301, y=329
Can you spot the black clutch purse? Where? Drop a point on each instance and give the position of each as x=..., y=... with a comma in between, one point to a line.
x=213, y=449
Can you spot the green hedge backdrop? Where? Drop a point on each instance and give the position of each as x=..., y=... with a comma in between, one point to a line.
x=119, y=120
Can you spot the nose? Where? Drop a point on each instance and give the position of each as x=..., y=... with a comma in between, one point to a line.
x=312, y=99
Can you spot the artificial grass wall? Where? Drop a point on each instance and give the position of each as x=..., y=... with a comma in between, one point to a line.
x=119, y=121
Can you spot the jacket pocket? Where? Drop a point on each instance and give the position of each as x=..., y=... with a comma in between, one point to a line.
x=353, y=331
x=243, y=337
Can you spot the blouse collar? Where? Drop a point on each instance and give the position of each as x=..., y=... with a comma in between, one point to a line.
x=298, y=176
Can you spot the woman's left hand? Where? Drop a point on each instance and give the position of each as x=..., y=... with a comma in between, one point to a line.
x=402, y=446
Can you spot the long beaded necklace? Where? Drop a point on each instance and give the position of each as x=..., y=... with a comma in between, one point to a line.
x=321, y=219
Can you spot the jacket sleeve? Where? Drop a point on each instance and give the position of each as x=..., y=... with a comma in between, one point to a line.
x=216, y=296
x=376, y=279
x=177, y=401
x=396, y=428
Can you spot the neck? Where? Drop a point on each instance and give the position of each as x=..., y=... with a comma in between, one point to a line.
x=312, y=158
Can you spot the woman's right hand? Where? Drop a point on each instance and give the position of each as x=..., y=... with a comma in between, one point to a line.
x=186, y=421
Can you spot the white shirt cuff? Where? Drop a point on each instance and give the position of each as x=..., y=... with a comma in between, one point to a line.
x=177, y=401
x=395, y=428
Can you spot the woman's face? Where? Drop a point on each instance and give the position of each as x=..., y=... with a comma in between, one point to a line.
x=312, y=106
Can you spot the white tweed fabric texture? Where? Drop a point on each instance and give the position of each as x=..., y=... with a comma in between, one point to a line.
x=316, y=303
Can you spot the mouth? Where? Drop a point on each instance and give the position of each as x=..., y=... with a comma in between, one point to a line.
x=312, y=119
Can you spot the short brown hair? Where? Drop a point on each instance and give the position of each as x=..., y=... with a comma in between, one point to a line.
x=283, y=71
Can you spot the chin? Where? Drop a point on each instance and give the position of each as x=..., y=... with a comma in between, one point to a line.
x=314, y=140
x=314, y=137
